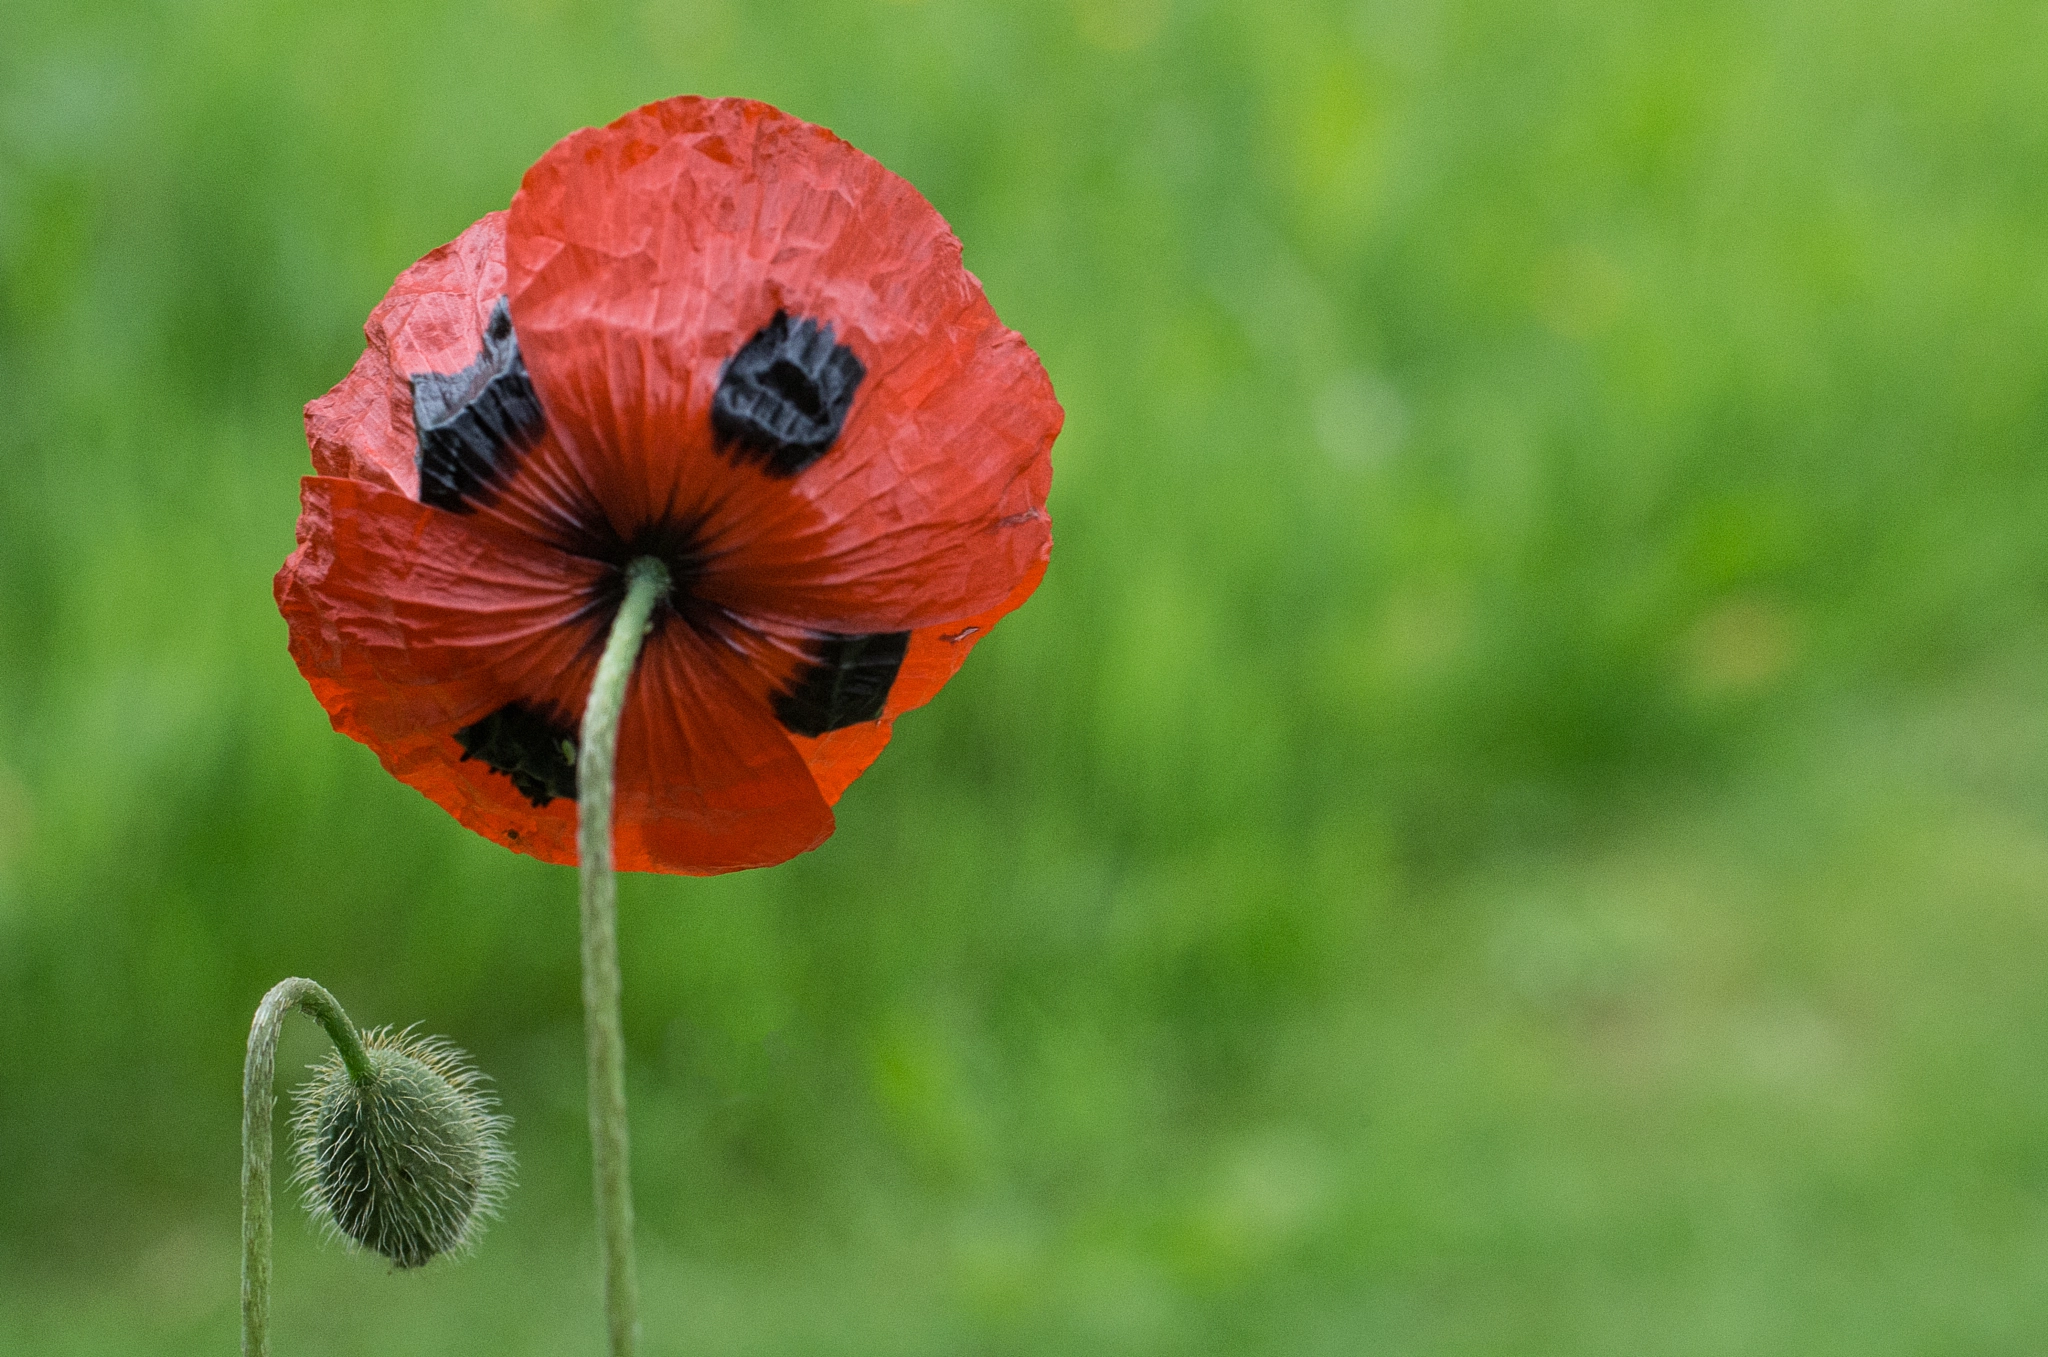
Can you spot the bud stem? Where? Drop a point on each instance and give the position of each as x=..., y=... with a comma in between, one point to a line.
x=258, y=1101
x=647, y=581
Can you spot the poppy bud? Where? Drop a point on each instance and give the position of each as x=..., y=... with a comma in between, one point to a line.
x=409, y=1162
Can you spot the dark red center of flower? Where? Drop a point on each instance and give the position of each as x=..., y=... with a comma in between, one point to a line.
x=781, y=402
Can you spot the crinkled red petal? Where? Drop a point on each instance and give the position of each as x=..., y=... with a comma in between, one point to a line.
x=437, y=618
x=411, y=623
x=432, y=320
x=643, y=255
x=935, y=654
x=707, y=781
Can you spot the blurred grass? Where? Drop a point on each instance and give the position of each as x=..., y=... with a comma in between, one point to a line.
x=1517, y=823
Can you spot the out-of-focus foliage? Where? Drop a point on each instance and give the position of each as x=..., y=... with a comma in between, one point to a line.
x=1518, y=822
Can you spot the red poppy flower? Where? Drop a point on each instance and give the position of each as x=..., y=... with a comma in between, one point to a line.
x=711, y=333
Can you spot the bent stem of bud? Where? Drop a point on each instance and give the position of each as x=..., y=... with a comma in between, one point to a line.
x=258, y=1100
x=647, y=581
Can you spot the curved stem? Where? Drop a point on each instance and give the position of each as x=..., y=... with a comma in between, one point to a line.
x=259, y=1071
x=647, y=581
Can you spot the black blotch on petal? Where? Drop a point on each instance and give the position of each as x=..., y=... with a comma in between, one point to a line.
x=847, y=682
x=783, y=397
x=536, y=753
x=473, y=424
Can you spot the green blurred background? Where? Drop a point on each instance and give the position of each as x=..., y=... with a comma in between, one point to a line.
x=1517, y=823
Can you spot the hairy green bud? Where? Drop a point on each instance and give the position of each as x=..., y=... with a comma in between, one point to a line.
x=410, y=1162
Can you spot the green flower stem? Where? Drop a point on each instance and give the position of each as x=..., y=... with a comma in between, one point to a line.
x=647, y=581
x=258, y=1100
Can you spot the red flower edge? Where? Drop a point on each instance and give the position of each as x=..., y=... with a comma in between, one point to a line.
x=636, y=263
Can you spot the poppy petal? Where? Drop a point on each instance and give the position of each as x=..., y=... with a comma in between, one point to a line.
x=934, y=655
x=644, y=258
x=708, y=782
x=429, y=338
x=412, y=624
x=432, y=320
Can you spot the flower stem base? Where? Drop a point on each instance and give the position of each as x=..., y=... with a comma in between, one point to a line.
x=647, y=581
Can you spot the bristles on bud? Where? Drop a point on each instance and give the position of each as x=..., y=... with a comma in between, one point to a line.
x=410, y=1164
